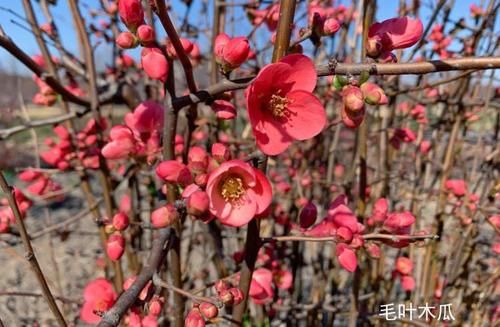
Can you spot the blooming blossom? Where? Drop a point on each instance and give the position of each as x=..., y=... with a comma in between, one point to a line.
x=238, y=192
x=281, y=106
x=98, y=296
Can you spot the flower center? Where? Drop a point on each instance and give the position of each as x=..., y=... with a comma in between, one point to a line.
x=278, y=105
x=232, y=189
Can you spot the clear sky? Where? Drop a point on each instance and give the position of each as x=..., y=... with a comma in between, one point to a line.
x=387, y=9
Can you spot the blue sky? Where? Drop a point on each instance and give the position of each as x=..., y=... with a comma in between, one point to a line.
x=387, y=9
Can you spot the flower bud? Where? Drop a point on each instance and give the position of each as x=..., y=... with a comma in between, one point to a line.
x=154, y=63
x=146, y=34
x=352, y=119
x=221, y=285
x=373, y=250
x=238, y=295
x=220, y=152
x=404, y=265
x=373, y=93
x=220, y=42
x=344, y=234
x=399, y=222
x=115, y=246
x=155, y=305
x=224, y=110
x=131, y=13
x=308, y=215
x=353, y=98
x=235, y=52
x=174, y=172
x=197, y=203
x=209, y=310
x=120, y=221
x=194, y=319
x=330, y=26
x=197, y=159
x=408, y=283
x=226, y=297
x=164, y=216
x=187, y=46
x=126, y=40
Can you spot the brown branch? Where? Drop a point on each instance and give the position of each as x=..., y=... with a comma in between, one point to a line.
x=30, y=254
x=160, y=248
x=31, y=294
x=8, y=132
x=333, y=68
x=368, y=237
x=157, y=281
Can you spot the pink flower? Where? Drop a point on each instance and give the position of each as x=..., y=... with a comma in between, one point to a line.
x=194, y=319
x=126, y=40
x=115, y=246
x=399, y=222
x=224, y=110
x=238, y=192
x=174, y=172
x=146, y=34
x=220, y=152
x=404, y=265
x=147, y=117
x=122, y=143
x=407, y=283
x=347, y=257
x=394, y=33
x=457, y=186
x=373, y=94
x=283, y=279
x=281, y=106
x=98, y=296
x=425, y=146
x=154, y=63
x=131, y=13
x=380, y=209
x=261, y=290
x=164, y=216
x=330, y=26
x=120, y=221
x=209, y=310
x=198, y=203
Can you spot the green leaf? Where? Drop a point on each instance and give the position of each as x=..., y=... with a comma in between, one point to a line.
x=364, y=77
x=339, y=82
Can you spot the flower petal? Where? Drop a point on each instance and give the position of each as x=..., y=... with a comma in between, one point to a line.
x=303, y=73
x=307, y=116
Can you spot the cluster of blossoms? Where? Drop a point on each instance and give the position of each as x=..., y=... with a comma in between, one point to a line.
x=140, y=136
x=204, y=311
x=417, y=112
x=402, y=135
x=40, y=184
x=392, y=34
x=46, y=96
x=269, y=15
x=404, y=269
x=441, y=42
x=7, y=215
x=464, y=202
x=62, y=154
x=354, y=99
x=154, y=57
x=327, y=20
x=232, y=191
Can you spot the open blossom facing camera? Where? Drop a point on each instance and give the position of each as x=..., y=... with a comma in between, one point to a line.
x=238, y=192
x=98, y=297
x=281, y=105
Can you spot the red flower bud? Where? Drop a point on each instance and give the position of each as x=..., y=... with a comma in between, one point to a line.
x=155, y=305
x=235, y=52
x=221, y=285
x=197, y=159
x=373, y=94
x=154, y=63
x=353, y=98
x=220, y=152
x=238, y=295
x=209, y=310
x=404, y=265
x=194, y=319
x=308, y=215
x=126, y=40
x=115, y=246
x=226, y=297
x=224, y=110
x=174, y=172
x=146, y=34
x=197, y=203
x=120, y=221
x=330, y=26
x=164, y=216
x=220, y=42
x=131, y=13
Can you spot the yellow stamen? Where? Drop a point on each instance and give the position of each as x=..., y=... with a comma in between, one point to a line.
x=278, y=106
x=232, y=189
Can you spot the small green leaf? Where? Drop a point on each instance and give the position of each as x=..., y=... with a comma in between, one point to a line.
x=364, y=77
x=339, y=82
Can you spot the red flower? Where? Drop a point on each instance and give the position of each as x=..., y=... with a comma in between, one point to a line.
x=281, y=106
x=98, y=296
x=394, y=33
x=261, y=290
x=347, y=257
x=131, y=13
x=238, y=192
